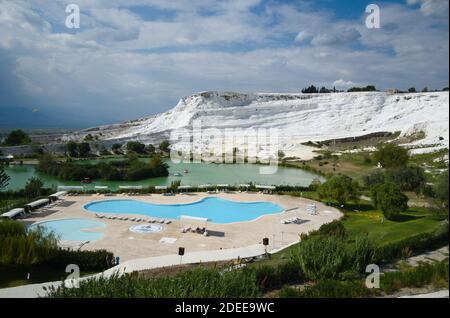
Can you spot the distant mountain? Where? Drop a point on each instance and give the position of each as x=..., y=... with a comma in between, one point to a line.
x=299, y=117
x=18, y=117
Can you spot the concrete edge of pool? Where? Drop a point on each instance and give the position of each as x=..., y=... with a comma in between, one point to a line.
x=275, y=208
x=237, y=235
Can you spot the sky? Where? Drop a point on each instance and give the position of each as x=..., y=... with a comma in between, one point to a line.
x=134, y=58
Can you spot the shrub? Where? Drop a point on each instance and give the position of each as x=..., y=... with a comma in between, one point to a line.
x=435, y=274
x=34, y=188
x=269, y=278
x=425, y=274
x=330, y=289
x=20, y=247
x=407, y=178
x=16, y=138
x=335, y=228
x=25, y=248
x=340, y=188
x=198, y=283
x=131, y=169
x=88, y=261
x=441, y=189
x=329, y=257
x=164, y=146
x=391, y=156
x=416, y=244
x=374, y=179
x=136, y=147
x=389, y=199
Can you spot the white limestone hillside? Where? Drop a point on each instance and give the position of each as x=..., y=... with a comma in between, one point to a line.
x=299, y=117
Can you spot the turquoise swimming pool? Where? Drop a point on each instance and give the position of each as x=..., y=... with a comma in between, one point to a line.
x=73, y=229
x=217, y=210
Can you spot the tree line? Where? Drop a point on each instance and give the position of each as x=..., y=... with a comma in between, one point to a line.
x=130, y=169
x=386, y=186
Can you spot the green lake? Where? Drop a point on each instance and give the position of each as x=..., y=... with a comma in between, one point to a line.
x=198, y=174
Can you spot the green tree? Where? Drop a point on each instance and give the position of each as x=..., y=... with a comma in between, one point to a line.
x=116, y=148
x=441, y=189
x=368, y=88
x=389, y=199
x=310, y=90
x=341, y=189
x=4, y=178
x=159, y=167
x=407, y=178
x=16, y=138
x=34, y=188
x=72, y=149
x=164, y=146
x=374, y=179
x=412, y=90
x=84, y=149
x=136, y=146
x=89, y=137
x=151, y=149
x=391, y=156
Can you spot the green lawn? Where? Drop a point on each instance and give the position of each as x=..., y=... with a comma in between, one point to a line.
x=382, y=231
x=364, y=219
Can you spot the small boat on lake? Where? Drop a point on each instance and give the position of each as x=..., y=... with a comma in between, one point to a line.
x=86, y=181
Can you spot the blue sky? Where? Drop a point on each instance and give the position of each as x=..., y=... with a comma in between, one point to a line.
x=134, y=58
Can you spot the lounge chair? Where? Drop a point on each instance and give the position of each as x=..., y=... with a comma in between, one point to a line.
x=186, y=229
x=168, y=221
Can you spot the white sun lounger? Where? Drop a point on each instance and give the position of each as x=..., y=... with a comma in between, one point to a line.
x=186, y=229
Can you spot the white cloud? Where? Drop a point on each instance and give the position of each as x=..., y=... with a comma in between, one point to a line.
x=120, y=64
x=432, y=7
x=303, y=36
x=339, y=36
x=341, y=83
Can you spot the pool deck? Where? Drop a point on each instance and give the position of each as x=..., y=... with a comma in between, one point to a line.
x=131, y=246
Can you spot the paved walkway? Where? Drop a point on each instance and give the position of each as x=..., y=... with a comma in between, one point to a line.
x=37, y=290
x=439, y=294
x=429, y=257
